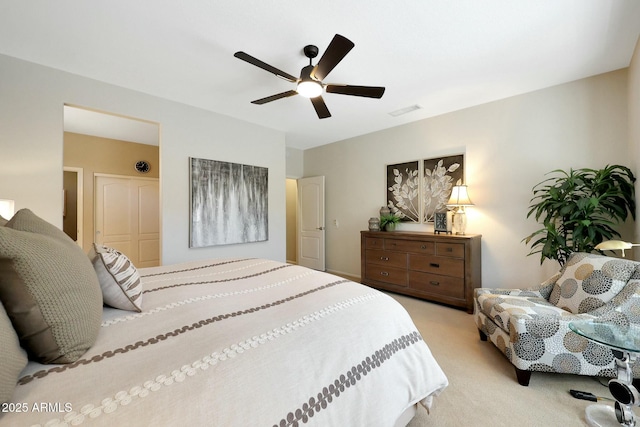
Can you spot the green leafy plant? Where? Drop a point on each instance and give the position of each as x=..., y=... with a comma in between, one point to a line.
x=578, y=209
x=390, y=219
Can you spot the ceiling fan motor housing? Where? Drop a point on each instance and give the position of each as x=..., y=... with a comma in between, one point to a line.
x=310, y=51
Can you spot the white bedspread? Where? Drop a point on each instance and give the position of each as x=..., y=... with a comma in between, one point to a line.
x=239, y=342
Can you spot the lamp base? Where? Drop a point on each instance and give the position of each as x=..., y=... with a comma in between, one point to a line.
x=460, y=222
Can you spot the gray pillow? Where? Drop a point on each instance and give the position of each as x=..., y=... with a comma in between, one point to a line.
x=118, y=277
x=13, y=358
x=49, y=290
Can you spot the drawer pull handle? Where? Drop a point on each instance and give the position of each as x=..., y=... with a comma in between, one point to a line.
x=384, y=258
x=423, y=247
x=433, y=264
x=434, y=283
x=449, y=249
x=384, y=273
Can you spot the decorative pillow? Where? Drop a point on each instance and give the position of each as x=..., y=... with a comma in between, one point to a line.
x=13, y=358
x=589, y=281
x=49, y=289
x=25, y=220
x=3, y=221
x=118, y=277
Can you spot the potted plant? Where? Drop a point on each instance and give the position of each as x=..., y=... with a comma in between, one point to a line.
x=388, y=222
x=578, y=209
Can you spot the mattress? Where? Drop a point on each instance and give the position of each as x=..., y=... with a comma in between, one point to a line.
x=239, y=342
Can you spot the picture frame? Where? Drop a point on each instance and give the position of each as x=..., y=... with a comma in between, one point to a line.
x=440, y=174
x=403, y=190
x=229, y=203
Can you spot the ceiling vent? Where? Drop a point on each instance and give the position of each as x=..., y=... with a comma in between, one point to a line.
x=405, y=110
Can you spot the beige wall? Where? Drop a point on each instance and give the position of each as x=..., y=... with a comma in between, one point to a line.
x=509, y=145
x=109, y=156
x=292, y=221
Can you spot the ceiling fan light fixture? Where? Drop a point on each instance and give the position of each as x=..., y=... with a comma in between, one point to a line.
x=309, y=89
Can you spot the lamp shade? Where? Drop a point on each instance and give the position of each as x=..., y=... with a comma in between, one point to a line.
x=7, y=208
x=615, y=245
x=459, y=196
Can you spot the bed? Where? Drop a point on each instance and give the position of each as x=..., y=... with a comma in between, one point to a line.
x=238, y=342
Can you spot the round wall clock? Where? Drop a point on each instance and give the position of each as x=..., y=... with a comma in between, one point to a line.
x=142, y=166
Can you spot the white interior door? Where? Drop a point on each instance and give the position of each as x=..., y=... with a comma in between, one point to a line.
x=311, y=227
x=127, y=217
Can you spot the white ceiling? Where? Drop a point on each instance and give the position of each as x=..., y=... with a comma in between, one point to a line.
x=441, y=55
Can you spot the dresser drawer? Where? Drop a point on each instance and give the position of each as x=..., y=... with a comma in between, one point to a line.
x=455, y=250
x=437, y=265
x=396, y=276
x=374, y=243
x=388, y=258
x=427, y=248
x=437, y=284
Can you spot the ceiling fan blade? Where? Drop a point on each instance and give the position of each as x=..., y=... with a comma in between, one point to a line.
x=366, y=91
x=254, y=61
x=337, y=49
x=321, y=107
x=275, y=97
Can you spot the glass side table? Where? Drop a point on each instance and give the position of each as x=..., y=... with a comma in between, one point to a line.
x=624, y=342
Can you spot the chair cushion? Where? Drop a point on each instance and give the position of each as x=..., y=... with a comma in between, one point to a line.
x=500, y=308
x=118, y=277
x=589, y=281
x=49, y=290
x=13, y=358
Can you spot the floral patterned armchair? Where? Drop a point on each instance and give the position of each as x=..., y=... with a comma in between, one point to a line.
x=531, y=326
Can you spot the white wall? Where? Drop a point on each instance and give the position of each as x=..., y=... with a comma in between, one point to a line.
x=31, y=141
x=295, y=163
x=634, y=123
x=509, y=145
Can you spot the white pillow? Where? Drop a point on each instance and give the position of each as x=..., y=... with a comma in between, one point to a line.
x=118, y=277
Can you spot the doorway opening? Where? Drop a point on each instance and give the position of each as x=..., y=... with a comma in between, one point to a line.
x=72, y=202
x=292, y=220
x=97, y=142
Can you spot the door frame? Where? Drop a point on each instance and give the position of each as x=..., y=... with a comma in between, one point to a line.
x=80, y=201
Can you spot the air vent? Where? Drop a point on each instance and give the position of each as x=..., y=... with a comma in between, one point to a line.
x=405, y=110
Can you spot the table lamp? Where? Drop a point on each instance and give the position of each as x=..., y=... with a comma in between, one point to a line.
x=7, y=208
x=458, y=200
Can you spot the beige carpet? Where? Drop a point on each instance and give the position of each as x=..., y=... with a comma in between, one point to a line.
x=483, y=390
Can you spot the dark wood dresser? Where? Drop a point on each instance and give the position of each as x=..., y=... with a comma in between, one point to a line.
x=436, y=267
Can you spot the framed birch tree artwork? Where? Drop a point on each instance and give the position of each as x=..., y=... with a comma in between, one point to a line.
x=229, y=203
x=403, y=191
x=439, y=177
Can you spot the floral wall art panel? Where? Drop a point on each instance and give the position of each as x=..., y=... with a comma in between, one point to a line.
x=229, y=203
x=439, y=177
x=403, y=190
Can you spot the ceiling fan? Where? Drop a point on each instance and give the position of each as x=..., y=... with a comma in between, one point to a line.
x=310, y=84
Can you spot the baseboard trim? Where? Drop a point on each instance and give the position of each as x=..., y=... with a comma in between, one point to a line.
x=348, y=276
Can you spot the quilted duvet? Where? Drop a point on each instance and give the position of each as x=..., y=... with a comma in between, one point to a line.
x=239, y=342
